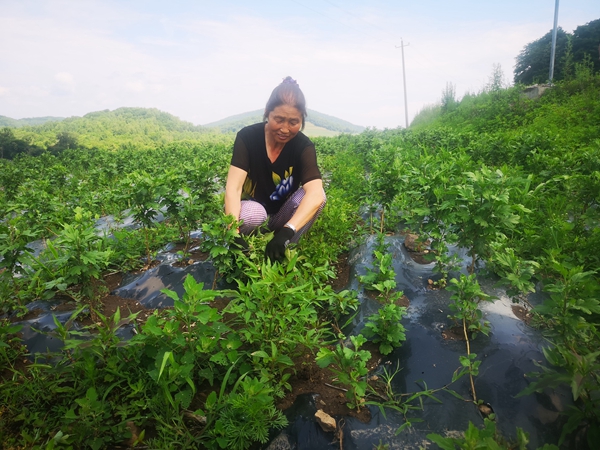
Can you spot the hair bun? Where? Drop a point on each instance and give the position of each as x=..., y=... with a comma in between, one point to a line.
x=289, y=80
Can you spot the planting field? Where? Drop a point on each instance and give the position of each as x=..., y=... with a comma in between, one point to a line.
x=448, y=295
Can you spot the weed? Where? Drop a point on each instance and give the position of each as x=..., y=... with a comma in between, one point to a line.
x=486, y=437
x=350, y=367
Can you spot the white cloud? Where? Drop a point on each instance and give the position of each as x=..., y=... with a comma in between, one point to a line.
x=64, y=78
x=136, y=86
x=3, y=91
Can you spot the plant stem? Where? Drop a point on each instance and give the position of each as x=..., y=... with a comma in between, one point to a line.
x=468, y=355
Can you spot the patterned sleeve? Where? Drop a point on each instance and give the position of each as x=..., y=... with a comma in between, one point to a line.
x=240, y=157
x=310, y=169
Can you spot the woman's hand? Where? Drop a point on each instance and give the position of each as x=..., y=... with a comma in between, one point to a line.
x=275, y=249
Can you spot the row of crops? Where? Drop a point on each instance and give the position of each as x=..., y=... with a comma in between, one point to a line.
x=523, y=204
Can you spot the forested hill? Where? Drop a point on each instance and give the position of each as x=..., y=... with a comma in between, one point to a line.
x=111, y=130
x=134, y=128
x=235, y=123
x=18, y=123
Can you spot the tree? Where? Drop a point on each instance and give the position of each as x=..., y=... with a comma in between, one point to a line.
x=586, y=41
x=64, y=140
x=10, y=146
x=449, y=101
x=496, y=81
x=533, y=63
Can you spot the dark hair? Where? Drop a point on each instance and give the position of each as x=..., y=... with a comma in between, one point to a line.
x=287, y=93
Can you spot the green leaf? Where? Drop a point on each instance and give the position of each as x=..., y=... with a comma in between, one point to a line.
x=166, y=356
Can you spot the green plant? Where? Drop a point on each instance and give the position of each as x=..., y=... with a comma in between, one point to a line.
x=383, y=179
x=484, y=210
x=278, y=304
x=573, y=299
x=184, y=204
x=89, y=418
x=188, y=343
x=219, y=240
x=569, y=315
x=74, y=259
x=382, y=278
x=515, y=272
x=350, y=367
x=79, y=399
x=483, y=438
x=244, y=415
x=274, y=368
x=400, y=402
x=581, y=371
x=444, y=262
x=386, y=328
x=465, y=304
x=143, y=194
x=11, y=347
x=14, y=252
x=128, y=248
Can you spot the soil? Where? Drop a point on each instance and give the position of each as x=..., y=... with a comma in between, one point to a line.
x=330, y=396
x=419, y=253
x=375, y=295
x=522, y=313
x=194, y=255
x=342, y=270
x=424, y=257
x=454, y=334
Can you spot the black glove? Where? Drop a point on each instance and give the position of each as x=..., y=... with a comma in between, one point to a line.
x=240, y=243
x=275, y=250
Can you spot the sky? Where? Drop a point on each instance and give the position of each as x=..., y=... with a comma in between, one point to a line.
x=204, y=60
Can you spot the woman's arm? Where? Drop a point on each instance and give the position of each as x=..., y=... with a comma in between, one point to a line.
x=312, y=200
x=233, y=191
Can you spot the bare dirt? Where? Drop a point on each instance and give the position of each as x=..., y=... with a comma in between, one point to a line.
x=342, y=270
x=424, y=257
x=193, y=255
x=522, y=313
x=454, y=334
x=309, y=378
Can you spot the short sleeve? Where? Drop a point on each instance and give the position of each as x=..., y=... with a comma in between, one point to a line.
x=240, y=156
x=310, y=169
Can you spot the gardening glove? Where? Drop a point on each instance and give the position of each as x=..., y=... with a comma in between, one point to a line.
x=240, y=243
x=275, y=250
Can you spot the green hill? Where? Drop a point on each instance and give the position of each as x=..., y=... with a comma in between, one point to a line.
x=317, y=124
x=137, y=128
x=123, y=127
x=18, y=123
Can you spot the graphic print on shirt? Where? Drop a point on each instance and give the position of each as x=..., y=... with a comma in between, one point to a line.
x=248, y=189
x=282, y=187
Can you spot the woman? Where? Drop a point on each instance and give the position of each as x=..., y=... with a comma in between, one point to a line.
x=274, y=173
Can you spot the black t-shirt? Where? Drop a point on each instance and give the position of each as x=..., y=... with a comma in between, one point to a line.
x=268, y=183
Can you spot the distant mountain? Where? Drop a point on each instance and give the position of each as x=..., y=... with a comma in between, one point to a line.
x=18, y=123
x=123, y=127
x=318, y=124
x=144, y=128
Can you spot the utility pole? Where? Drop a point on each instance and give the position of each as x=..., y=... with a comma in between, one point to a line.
x=404, y=79
x=553, y=53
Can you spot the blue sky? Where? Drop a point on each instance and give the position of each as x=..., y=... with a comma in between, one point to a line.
x=206, y=60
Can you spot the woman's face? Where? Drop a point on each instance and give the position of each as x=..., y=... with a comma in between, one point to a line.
x=283, y=123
